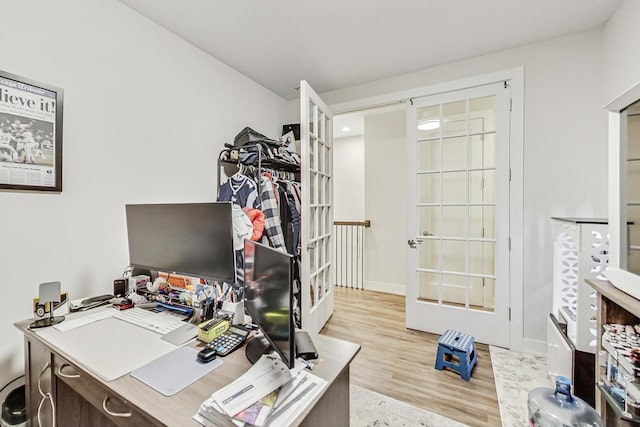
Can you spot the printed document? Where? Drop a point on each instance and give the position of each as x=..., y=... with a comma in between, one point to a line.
x=266, y=375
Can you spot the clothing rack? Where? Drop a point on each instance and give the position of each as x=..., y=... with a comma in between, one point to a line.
x=277, y=168
x=241, y=160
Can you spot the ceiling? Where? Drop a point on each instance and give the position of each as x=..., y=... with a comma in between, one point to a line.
x=340, y=43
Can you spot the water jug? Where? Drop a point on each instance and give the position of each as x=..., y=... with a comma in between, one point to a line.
x=558, y=408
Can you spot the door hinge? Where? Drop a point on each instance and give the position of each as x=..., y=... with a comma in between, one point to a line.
x=510, y=104
x=509, y=243
x=509, y=174
x=509, y=314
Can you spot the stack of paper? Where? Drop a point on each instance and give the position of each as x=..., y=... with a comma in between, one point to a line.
x=267, y=394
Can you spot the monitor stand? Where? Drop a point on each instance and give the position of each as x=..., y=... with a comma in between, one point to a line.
x=47, y=321
x=256, y=347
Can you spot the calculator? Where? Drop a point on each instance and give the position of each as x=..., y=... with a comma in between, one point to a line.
x=229, y=341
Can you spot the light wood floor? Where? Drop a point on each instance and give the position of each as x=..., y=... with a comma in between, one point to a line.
x=399, y=362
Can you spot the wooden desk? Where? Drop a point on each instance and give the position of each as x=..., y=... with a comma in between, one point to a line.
x=82, y=398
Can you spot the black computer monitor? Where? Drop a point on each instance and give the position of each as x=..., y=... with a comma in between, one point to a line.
x=193, y=239
x=268, y=292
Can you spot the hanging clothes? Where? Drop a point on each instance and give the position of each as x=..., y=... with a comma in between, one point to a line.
x=242, y=227
x=257, y=220
x=240, y=190
x=290, y=218
x=272, y=224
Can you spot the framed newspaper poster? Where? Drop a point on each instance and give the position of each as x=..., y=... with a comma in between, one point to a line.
x=30, y=135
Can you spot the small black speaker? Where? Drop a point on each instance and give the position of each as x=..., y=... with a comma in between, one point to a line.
x=120, y=287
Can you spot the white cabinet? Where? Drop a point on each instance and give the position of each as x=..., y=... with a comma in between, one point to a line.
x=580, y=251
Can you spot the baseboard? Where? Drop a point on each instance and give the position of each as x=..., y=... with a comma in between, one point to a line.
x=388, y=288
x=534, y=346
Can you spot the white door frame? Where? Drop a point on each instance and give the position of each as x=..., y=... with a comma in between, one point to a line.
x=515, y=76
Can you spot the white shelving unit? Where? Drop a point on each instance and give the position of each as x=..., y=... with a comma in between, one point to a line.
x=581, y=251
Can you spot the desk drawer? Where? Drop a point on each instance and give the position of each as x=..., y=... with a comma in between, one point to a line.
x=109, y=405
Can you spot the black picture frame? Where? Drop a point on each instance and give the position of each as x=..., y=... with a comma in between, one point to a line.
x=30, y=134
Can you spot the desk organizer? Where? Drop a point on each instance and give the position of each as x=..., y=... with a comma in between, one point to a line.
x=212, y=329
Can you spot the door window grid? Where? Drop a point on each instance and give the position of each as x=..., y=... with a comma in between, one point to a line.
x=436, y=173
x=320, y=171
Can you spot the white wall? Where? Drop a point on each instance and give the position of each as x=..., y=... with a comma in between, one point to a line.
x=385, y=201
x=145, y=115
x=565, y=146
x=348, y=179
x=621, y=59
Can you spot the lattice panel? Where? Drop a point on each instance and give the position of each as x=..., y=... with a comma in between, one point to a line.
x=568, y=256
x=598, y=248
x=599, y=254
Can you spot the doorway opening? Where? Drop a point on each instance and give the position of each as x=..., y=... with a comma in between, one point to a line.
x=369, y=183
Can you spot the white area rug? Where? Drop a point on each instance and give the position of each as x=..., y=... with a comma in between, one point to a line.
x=516, y=374
x=372, y=409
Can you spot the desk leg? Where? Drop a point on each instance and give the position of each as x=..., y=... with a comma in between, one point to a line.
x=333, y=408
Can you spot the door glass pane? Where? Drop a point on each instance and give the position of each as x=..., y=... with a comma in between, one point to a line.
x=454, y=153
x=429, y=220
x=429, y=188
x=454, y=118
x=429, y=155
x=454, y=256
x=454, y=222
x=322, y=123
x=454, y=187
x=490, y=294
x=454, y=290
x=312, y=153
x=312, y=291
x=322, y=189
x=481, y=258
x=482, y=293
x=312, y=121
x=633, y=215
x=633, y=134
x=328, y=225
x=322, y=156
x=320, y=287
x=482, y=151
x=633, y=176
x=429, y=256
x=481, y=186
x=428, y=122
x=325, y=281
x=428, y=284
x=327, y=189
x=312, y=222
x=312, y=187
x=481, y=222
x=482, y=114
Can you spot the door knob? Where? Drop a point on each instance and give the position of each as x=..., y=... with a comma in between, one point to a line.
x=411, y=243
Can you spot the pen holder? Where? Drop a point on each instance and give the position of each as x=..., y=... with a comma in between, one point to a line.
x=236, y=309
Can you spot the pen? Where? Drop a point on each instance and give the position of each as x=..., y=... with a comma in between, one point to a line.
x=306, y=363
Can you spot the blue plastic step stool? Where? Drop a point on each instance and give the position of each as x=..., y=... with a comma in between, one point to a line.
x=463, y=347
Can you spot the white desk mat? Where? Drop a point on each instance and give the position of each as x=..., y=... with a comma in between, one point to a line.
x=174, y=371
x=110, y=347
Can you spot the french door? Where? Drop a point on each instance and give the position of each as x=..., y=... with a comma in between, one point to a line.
x=458, y=245
x=316, y=134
